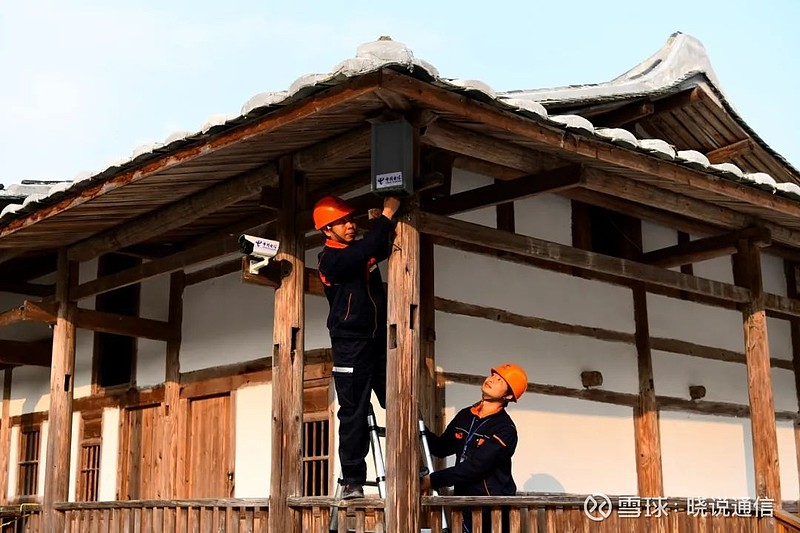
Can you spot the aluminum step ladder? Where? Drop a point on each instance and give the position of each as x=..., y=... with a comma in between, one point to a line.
x=375, y=434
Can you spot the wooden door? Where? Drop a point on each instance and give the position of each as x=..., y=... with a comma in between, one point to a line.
x=210, y=447
x=140, y=467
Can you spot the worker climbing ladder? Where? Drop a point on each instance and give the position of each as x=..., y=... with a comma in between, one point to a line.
x=375, y=433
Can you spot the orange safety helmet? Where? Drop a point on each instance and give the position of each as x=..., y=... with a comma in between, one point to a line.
x=330, y=209
x=515, y=376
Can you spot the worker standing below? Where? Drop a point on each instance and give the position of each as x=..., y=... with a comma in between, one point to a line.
x=483, y=438
x=348, y=268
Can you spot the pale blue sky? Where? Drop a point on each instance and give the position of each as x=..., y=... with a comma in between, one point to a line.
x=86, y=81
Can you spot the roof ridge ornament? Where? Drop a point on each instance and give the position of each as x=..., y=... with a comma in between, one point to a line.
x=681, y=59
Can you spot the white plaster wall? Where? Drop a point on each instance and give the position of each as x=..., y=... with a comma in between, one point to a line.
x=464, y=180
x=151, y=362
x=225, y=321
x=529, y=291
x=718, y=269
x=253, y=441
x=42, y=457
x=473, y=345
x=774, y=277
x=13, y=454
x=724, y=382
x=565, y=445
x=656, y=236
x=545, y=216
x=84, y=350
x=784, y=389
x=787, y=458
x=74, y=461
x=109, y=451
x=709, y=456
x=154, y=298
x=30, y=390
x=779, y=335
x=694, y=322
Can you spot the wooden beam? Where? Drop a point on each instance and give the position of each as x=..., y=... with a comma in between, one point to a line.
x=402, y=378
x=288, y=359
x=19, y=353
x=480, y=146
x=554, y=180
x=130, y=326
x=62, y=374
x=728, y=152
x=493, y=170
x=665, y=403
x=5, y=436
x=175, y=215
x=287, y=115
x=747, y=272
x=312, y=283
x=216, y=271
x=624, y=115
x=656, y=343
x=678, y=101
x=29, y=312
x=219, y=196
x=697, y=210
x=27, y=289
x=203, y=252
x=492, y=239
x=707, y=248
x=333, y=150
x=587, y=149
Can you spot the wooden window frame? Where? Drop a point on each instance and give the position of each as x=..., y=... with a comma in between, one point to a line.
x=24, y=463
x=105, y=267
x=86, y=473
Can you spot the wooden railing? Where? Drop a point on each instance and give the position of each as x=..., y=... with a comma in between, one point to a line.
x=361, y=515
x=21, y=518
x=787, y=522
x=134, y=516
x=526, y=514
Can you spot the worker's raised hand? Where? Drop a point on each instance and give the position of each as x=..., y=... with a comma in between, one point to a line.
x=390, y=206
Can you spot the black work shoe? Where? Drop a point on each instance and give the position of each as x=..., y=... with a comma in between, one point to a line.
x=352, y=490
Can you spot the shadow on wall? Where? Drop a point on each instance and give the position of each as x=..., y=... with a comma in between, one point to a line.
x=542, y=483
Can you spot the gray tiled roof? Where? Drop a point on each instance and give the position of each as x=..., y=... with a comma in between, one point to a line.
x=678, y=62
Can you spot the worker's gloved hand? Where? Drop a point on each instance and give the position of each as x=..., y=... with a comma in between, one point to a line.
x=425, y=484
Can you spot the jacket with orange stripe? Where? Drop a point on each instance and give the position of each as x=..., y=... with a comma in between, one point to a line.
x=483, y=448
x=353, y=284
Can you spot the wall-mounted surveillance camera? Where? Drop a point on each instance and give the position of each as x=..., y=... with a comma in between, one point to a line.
x=259, y=249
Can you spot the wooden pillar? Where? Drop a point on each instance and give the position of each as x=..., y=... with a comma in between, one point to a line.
x=287, y=358
x=171, y=457
x=5, y=437
x=427, y=317
x=402, y=441
x=649, y=472
x=59, y=435
x=747, y=273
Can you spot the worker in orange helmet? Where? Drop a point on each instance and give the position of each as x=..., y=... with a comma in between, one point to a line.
x=348, y=268
x=483, y=438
